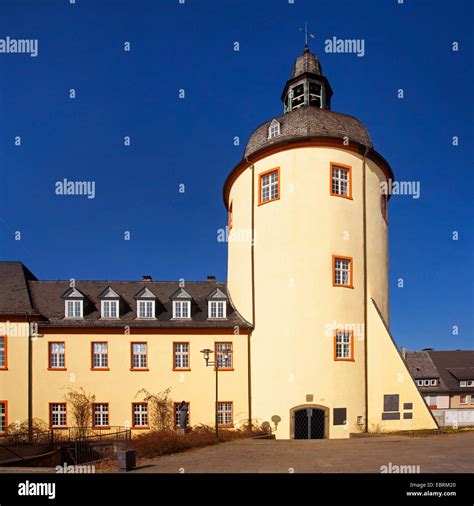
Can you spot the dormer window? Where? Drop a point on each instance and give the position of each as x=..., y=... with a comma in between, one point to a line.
x=466, y=383
x=181, y=303
x=146, y=303
x=146, y=308
x=274, y=129
x=73, y=303
x=109, y=309
x=109, y=303
x=74, y=309
x=217, y=309
x=217, y=304
x=181, y=309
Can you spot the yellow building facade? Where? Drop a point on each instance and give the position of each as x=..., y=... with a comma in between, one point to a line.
x=300, y=330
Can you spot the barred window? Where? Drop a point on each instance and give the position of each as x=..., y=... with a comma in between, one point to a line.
x=140, y=414
x=100, y=359
x=342, y=271
x=139, y=355
x=225, y=414
x=110, y=309
x=74, y=309
x=181, y=309
x=146, y=309
x=340, y=181
x=3, y=416
x=57, y=356
x=344, y=345
x=177, y=414
x=3, y=352
x=181, y=355
x=224, y=355
x=101, y=414
x=217, y=309
x=57, y=414
x=269, y=186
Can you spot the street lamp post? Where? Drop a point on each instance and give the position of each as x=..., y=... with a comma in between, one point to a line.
x=225, y=356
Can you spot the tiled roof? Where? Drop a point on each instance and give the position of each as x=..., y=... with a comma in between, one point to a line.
x=450, y=364
x=306, y=122
x=421, y=366
x=14, y=294
x=20, y=291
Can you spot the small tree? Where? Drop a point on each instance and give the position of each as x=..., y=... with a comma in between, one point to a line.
x=161, y=410
x=81, y=407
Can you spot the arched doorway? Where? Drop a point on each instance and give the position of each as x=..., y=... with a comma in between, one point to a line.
x=309, y=421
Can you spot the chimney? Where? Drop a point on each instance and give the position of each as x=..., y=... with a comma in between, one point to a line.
x=211, y=278
x=147, y=278
x=403, y=351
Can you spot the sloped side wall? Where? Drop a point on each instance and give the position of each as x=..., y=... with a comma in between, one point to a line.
x=393, y=399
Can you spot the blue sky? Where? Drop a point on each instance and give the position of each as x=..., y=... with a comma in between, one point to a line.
x=190, y=141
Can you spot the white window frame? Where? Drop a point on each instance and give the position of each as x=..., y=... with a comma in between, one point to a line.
x=463, y=383
x=340, y=186
x=434, y=382
x=142, y=309
x=269, y=186
x=273, y=130
x=73, y=308
x=180, y=308
x=217, y=309
x=220, y=348
x=101, y=414
x=140, y=354
x=181, y=355
x=57, y=355
x=344, y=345
x=102, y=355
x=3, y=417
x=109, y=306
x=58, y=412
x=140, y=414
x=3, y=352
x=470, y=383
x=342, y=269
x=225, y=414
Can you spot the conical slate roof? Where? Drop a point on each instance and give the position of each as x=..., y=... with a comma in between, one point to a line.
x=307, y=62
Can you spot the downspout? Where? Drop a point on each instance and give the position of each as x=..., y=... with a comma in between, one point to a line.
x=30, y=380
x=364, y=220
x=252, y=270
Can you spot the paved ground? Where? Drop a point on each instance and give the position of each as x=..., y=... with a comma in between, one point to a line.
x=434, y=454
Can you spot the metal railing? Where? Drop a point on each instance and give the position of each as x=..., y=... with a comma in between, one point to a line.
x=84, y=443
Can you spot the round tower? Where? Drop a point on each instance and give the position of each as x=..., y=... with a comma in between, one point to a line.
x=308, y=251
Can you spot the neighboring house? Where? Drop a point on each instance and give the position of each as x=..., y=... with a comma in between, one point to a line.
x=300, y=329
x=444, y=378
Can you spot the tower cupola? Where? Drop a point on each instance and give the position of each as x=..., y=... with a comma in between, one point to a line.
x=307, y=85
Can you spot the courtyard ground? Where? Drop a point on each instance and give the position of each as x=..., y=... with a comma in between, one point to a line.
x=444, y=453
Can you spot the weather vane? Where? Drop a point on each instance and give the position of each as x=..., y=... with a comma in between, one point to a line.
x=306, y=34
